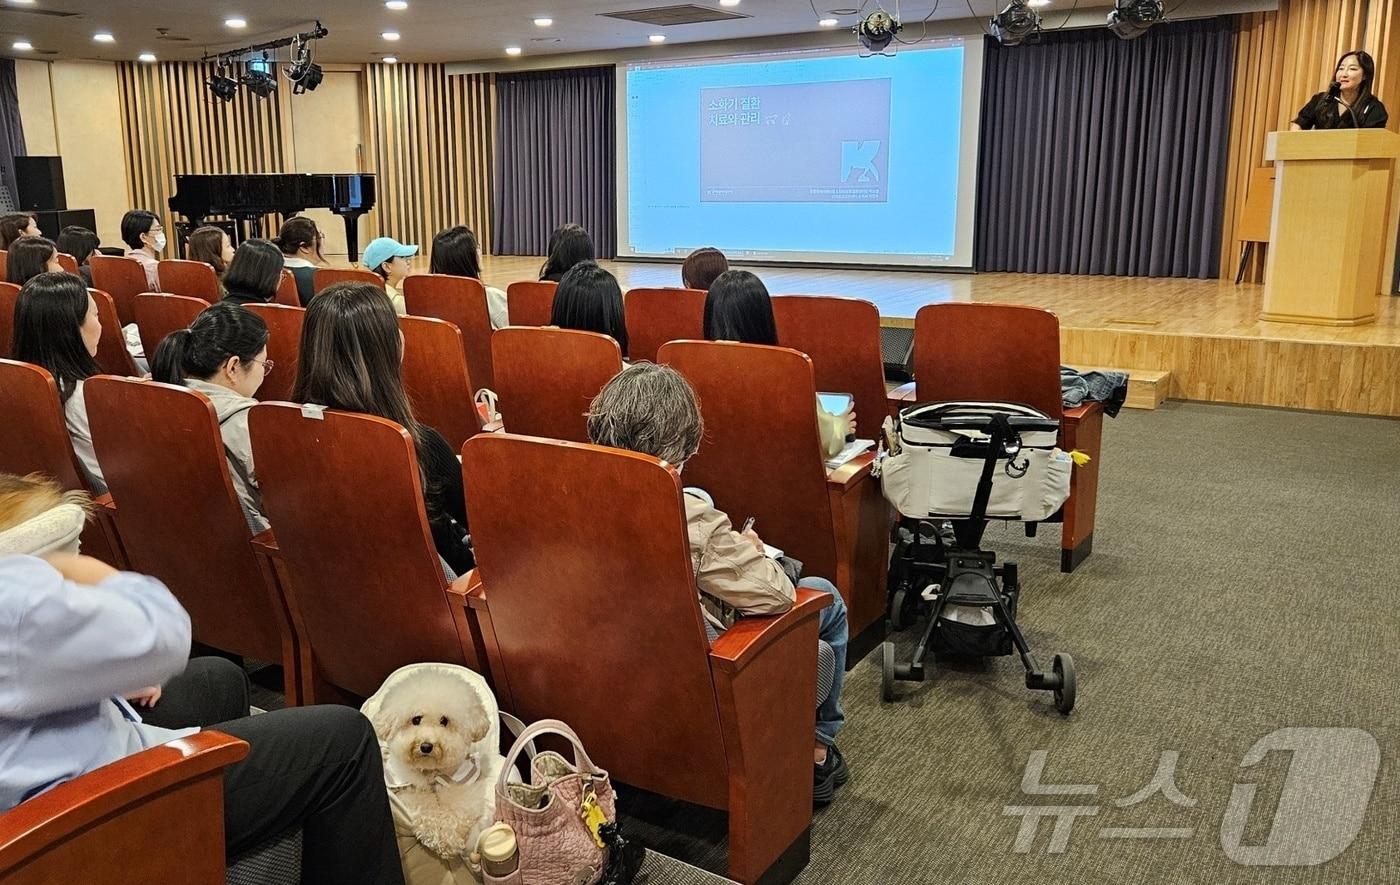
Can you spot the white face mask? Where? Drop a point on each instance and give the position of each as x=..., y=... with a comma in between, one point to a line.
x=159, y=242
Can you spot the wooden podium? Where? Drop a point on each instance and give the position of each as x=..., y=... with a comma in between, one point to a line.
x=1330, y=235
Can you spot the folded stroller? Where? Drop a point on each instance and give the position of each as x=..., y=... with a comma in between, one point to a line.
x=948, y=469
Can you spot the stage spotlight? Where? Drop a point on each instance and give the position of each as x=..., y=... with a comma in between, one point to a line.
x=305, y=74
x=876, y=31
x=224, y=88
x=260, y=83
x=1132, y=18
x=1015, y=23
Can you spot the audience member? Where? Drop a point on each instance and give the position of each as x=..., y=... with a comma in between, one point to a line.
x=652, y=409
x=702, y=267
x=82, y=244
x=589, y=299
x=455, y=252
x=84, y=645
x=16, y=225
x=300, y=241
x=29, y=257
x=568, y=245
x=254, y=273
x=56, y=327
x=738, y=309
x=145, y=240
x=212, y=246
x=351, y=359
x=223, y=355
x=388, y=257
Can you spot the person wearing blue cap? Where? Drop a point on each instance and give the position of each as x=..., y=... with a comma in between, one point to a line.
x=388, y=257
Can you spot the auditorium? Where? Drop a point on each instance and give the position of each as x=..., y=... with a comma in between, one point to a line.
x=472, y=443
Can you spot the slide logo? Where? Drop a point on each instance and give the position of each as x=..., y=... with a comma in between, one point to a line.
x=859, y=156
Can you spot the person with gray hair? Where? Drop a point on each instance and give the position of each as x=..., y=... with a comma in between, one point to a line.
x=652, y=409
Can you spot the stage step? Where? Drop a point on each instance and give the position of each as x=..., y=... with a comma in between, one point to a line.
x=1147, y=388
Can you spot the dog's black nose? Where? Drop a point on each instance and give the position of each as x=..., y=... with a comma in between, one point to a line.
x=425, y=748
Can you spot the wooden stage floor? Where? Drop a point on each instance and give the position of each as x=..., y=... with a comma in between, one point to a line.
x=1207, y=333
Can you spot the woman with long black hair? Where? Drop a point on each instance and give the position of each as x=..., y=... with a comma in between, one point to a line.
x=1349, y=102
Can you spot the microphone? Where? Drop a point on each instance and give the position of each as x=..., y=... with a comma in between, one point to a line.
x=1334, y=90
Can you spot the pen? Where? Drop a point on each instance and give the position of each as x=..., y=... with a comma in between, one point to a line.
x=748, y=525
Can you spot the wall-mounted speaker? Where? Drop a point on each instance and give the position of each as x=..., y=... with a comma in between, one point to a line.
x=40, y=182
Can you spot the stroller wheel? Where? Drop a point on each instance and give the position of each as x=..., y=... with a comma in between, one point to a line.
x=887, y=671
x=1063, y=666
x=898, y=616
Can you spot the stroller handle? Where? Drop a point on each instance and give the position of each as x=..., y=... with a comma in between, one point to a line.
x=982, y=422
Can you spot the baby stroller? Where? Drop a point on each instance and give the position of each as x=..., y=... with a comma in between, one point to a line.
x=949, y=468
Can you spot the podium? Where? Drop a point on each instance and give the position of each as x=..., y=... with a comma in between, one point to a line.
x=1330, y=235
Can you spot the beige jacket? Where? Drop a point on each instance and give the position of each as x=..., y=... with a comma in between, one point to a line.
x=734, y=577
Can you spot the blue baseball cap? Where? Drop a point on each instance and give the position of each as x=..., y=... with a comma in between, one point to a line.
x=384, y=248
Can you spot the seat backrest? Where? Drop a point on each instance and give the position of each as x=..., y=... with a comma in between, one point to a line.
x=193, y=278
x=4, y=262
x=283, y=348
x=329, y=276
x=67, y=262
x=655, y=316
x=179, y=518
x=436, y=379
x=158, y=315
x=460, y=301
x=9, y=297
x=112, y=354
x=974, y=351
x=762, y=454
x=344, y=495
x=530, y=302
x=122, y=278
x=546, y=378
x=842, y=338
x=603, y=595
x=287, y=290
x=154, y=816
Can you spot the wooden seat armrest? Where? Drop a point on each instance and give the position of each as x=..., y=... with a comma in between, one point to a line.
x=470, y=589
x=1080, y=412
x=738, y=646
x=105, y=502
x=850, y=473
x=265, y=543
x=901, y=396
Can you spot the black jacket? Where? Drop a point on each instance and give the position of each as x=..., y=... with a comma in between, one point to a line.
x=1325, y=112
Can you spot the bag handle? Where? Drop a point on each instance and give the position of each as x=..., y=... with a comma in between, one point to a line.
x=527, y=737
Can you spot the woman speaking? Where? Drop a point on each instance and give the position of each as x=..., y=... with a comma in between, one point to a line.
x=1348, y=103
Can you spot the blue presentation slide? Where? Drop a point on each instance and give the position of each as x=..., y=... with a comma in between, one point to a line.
x=832, y=157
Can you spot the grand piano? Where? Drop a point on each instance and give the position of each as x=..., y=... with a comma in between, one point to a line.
x=249, y=197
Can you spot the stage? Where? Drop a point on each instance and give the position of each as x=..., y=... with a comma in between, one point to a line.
x=1206, y=333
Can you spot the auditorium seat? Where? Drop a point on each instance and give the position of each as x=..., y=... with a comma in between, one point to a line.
x=842, y=338
x=153, y=816
x=193, y=278
x=9, y=296
x=287, y=293
x=123, y=279
x=547, y=377
x=590, y=614
x=158, y=315
x=1005, y=352
x=655, y=316
x=167, y=473
x=4, y=262
x=34, y=439
x=283, y=348
x=460, y=301
x=530, y=302
x=762, y=457
x=329, y=276
x=364, y=582
x=112, y=354
x=436, y=379
x=67, y=262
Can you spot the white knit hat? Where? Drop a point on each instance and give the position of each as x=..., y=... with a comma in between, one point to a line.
x=54, y=531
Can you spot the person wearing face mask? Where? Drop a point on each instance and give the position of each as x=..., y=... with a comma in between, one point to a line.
x=1349, y=102
x=145, y=240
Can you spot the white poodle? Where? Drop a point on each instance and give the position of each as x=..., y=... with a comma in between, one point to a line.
x=438, y=759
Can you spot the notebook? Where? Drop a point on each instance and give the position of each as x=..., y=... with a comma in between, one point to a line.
x=851, y=450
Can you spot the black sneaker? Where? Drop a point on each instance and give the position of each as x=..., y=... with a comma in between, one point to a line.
x=828, y=776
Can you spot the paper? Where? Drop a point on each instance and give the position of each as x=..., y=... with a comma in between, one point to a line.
x=771, y=552
x=851, y=450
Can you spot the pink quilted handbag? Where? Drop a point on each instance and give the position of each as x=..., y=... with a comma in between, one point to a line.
x=556, y=816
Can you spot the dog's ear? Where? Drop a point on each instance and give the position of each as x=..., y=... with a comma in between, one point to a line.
x=481, y=723
x=385, y=724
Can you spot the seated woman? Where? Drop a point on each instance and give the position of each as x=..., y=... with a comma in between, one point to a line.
x=254, y=273
x=29, y=257
x=351, y=359
x=223, y=355
x=568, y=245
x=212, y=246
x=82, y=244
x=651, y=409
x=455, y=252
x=56, y=327
x=84, y=645
x=738, y=309
x=589, y=299
x=300, y=241
x=702, y=267
x=388, y=257
x=17, y=225
x=145, y=240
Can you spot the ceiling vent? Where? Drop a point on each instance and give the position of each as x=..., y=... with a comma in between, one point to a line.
x=665, y=16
